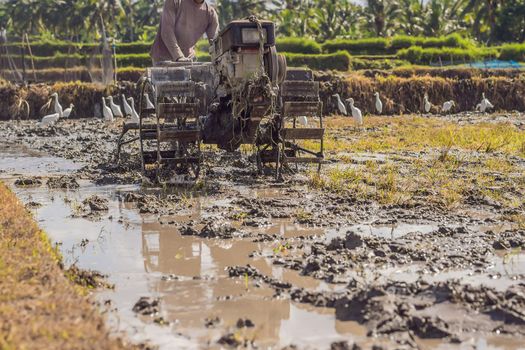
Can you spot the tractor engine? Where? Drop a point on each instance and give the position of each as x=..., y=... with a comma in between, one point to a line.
x=238, y=54
x=248, y=72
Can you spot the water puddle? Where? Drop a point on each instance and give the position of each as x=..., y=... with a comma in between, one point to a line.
x=506, y=268
x=145, y=258
x=288, y=229
x=17, y=159
x=475, y=342
x=391, y=231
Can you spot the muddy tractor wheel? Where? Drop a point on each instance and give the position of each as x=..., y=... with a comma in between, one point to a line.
x=190, y=170
x=146, y=129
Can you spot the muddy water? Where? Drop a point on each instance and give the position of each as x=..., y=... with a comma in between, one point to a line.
x=144, y=256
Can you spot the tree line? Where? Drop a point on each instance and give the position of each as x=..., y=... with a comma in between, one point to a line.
x=487, y=21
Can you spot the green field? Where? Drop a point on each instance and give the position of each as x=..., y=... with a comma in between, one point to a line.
x=61, y=60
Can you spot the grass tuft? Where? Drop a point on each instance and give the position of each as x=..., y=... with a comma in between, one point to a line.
x=446, y=163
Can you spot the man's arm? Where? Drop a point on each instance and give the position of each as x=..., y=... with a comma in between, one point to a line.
x=167, y=31
x=213, y=26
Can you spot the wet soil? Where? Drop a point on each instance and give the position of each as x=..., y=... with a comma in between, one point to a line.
x=244, y=260
x=40, y=306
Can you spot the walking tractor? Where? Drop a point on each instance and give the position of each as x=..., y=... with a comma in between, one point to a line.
x=245, y=95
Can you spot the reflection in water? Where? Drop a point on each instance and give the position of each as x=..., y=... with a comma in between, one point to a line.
x=199, y=288
x=286, y=229
x=203, y=290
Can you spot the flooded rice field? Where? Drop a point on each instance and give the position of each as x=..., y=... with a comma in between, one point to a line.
x=386, y=249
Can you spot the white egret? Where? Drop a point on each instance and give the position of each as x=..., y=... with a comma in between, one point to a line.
x=49, y=120
x=106, y=111
x=356, y=112
x=447, y=106
x=427, y=103
x=340, y=105
x=485, y=104
x=149, y=105
x=302, y=120
x=117, y=112
x=58, y=106
x=134, y=115
x=127, y=107
x=379, y=104
x=67, y=111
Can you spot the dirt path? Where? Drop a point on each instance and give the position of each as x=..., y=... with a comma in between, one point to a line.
x=39, y=307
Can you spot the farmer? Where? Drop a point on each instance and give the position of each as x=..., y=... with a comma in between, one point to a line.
x=182, y=24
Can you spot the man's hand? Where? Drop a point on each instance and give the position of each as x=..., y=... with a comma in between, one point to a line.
x=184, y=59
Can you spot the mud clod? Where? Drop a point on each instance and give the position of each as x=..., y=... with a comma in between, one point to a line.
x=246, y=323
x=87, y=278
x=28, y=181
x=161, y=321
x=212, y=230
x=212, y=322
x=230, y=340
x=510, y=239
x=147, y=306
x=353, y=240
x=63, y=182
x=33, y=205
x=96, y=203
x=344, y=345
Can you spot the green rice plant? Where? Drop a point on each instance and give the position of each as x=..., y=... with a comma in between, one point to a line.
x=417, y=54
x=203, y=45
x=369, y=46
x=413, y=54
x=336, y=61
x=452, y=40
x=381, y=64
x=302, y=215
x=381, y=46
x=144, y=60
x=133, y=48
x=53, y=48
x=44, y=47
x=298, y=45
x=402, y=42
x=515, y=52
x=47, y=48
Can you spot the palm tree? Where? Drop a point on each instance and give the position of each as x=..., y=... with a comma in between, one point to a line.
x=443, y=17
x=229, y=10
x=336, y=18
x=411, y=17
x=483, y=16
x=382, y=15
x=24, y=15
x=295, y=23
x=511, y=21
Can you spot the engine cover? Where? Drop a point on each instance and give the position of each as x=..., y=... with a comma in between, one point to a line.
x=243, y=34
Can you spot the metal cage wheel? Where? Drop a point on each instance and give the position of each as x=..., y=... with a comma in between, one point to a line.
x=144, y=82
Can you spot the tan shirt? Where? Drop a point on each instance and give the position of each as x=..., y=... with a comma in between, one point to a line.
x=182, y=24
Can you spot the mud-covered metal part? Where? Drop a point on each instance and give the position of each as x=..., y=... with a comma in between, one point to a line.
x=299, y=98
x=172, y=148
x=248, y=69
x=245, y=95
